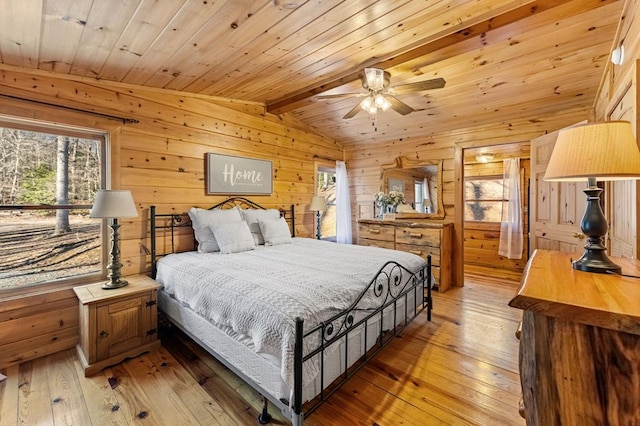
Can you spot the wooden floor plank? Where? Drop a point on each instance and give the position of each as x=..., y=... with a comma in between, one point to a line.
x=69, y=407
x=34, y=399
x=203, y=408
x=9, y=397
x=145, y=379
x=100, y=399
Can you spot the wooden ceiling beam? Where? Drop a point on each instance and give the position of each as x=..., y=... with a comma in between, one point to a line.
x=425, y=47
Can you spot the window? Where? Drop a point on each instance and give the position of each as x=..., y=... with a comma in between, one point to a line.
x=417, y=186
x=49, y=177
x=484, y=199
x=326, y=186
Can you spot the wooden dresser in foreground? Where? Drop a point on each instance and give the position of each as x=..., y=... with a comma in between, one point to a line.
x=117, y=324
x=420, y=238
x=580, y=343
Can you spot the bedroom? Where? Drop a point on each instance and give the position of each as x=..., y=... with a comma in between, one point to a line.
x=514, y=70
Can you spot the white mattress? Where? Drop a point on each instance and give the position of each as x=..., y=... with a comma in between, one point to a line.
x=308, y=278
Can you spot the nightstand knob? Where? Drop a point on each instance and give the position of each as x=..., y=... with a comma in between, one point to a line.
x=103, y=334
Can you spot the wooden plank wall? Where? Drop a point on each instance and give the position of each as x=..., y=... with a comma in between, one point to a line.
x=161, y=159
x=364, y=163
x=481, y=240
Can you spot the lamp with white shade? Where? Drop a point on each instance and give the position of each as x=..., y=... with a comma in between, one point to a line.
x=595, y=151
x=318, y=204
x=114, y=204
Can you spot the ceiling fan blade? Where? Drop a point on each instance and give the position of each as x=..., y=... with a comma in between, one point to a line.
x=399, y=106
x=341, y=95
x=419, y=86
x=356, y=109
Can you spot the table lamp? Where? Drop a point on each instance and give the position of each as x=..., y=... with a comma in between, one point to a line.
x=595, y=151
x=114, y=204
x=318, y=204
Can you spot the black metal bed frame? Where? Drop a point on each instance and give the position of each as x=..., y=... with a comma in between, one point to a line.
x=391, y=284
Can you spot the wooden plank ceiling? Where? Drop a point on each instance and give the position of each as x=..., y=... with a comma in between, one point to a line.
x=502, y=60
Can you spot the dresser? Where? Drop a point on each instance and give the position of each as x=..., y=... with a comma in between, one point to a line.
x=117, y=324
x=421, y=238
x=579, y=343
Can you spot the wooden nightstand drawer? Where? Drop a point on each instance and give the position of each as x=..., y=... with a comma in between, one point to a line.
x=117, y=324
x=418, y=236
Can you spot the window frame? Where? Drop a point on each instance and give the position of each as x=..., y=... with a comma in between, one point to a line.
x=324, y=167
x=104, y=138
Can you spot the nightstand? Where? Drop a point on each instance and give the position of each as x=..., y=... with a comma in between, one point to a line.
x=117, y=324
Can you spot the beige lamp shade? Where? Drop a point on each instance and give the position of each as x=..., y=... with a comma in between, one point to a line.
x=318, y=203
x=113, y=203
x=605, y=151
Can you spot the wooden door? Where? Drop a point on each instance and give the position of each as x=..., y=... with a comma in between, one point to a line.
x=622, y=193
x=556, y=208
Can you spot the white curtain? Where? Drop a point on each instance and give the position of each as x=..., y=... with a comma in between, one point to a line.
x=426, y=198
x=343, y=202
x=511, y=225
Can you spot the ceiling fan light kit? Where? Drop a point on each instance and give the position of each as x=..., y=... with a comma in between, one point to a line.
x=380, y=96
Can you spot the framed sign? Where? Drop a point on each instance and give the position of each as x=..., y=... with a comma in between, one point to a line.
x=238, y=175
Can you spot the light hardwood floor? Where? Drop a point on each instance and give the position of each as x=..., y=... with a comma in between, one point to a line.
x=459, y=369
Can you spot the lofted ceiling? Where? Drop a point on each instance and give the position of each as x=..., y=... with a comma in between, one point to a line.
x=502, y=60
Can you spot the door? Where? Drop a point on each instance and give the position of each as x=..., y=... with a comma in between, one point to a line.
x=556, y=207
x=622, y=198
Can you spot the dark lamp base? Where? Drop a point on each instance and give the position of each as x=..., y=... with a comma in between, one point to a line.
x=110, y=285
x=596, y=261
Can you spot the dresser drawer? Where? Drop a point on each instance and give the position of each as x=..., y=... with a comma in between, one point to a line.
x=418, y=236
x=422, y=251
x=376, y=232
x=376, y=243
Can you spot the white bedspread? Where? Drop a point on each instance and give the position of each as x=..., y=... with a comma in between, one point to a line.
x=259, y=293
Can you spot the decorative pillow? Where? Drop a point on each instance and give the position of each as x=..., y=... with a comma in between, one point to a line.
x=202, y=219
x=275, y=231
x=233, y=237
x=253, y=216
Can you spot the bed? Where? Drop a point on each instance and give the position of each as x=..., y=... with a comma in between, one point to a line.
x=293, y=317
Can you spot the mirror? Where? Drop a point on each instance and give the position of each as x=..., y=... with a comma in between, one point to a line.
x=421, y=182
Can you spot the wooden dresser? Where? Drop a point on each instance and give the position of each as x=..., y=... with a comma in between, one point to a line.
x=580, y=343
x=420, y=238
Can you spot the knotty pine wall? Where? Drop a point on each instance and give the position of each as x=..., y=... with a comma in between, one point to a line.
x=364, y=163
x=161, y=159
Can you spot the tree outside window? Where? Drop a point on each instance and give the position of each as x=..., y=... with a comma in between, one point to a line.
x=48, y=184
x=484, y=199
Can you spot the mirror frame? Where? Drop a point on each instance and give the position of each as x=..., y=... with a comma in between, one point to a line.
x=403, y=162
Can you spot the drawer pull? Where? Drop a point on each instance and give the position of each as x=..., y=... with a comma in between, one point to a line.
x=418, y=252
x=374, y=231
x=415, y=235
x=103, y=334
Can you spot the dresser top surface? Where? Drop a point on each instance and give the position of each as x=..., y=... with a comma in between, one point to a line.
x=550, y=286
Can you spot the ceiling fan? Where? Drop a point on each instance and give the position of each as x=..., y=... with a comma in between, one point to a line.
x=379, y=96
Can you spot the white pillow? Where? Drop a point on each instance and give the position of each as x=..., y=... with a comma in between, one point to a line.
x=275, y=231
x=253, y=216
x=202, y=219
x=233, y=237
